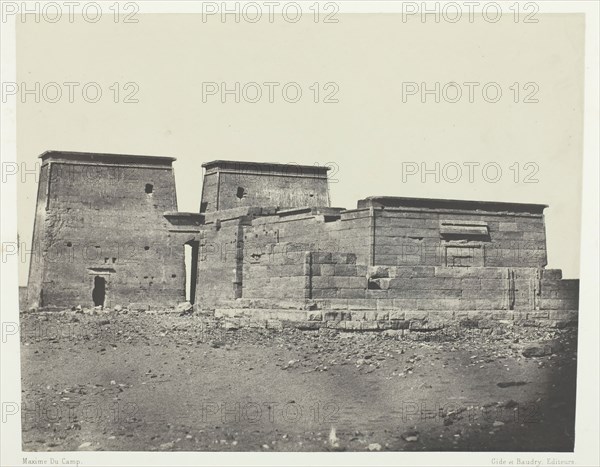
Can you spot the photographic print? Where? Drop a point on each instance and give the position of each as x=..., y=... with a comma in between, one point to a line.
x=299, y=231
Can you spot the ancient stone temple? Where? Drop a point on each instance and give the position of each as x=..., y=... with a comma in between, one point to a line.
x=266, y=241
x=100, y=236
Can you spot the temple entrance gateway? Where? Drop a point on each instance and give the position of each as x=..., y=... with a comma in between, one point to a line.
x=99, y=291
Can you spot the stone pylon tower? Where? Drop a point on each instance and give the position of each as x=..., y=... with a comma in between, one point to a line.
x=99, y=236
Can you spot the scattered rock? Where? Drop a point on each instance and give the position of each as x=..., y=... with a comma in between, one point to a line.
x=230, y=326
x=184, y=307
x=410, y=436
x=535, y=351
x=510, y=404
x=508, y=384
x=333, y=439
x=542, y=349
x=391, y=333
x=312, y=351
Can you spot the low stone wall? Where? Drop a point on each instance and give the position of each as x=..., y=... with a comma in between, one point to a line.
x=471, y=288
x=336, y=276
x=408, y=321
x=314, y=289
x=277, y=272
x=335, y=281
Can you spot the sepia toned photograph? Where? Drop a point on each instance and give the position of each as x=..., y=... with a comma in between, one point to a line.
x=299, y=233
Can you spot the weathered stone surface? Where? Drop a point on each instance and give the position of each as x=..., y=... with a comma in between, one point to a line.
x=310, y=325
x=393, y=333
x=315, y=315
x=399, y=324
x=361, y=304
x=542, y=349
x=502, y=315
x=99, y=225
x=415, y=315
x=353, y=325
x=358, y=315
x=336, y=316
x=274, y=324
x=351, y=293
x=376, y=272
x=379, y=284
x=469, y=323
x=272, y=245
x=368, y=326
x=426, y=325
x=184, y=307
x=537, y=315
x=370, y=315
x=228, y=312
x=569, y=315
x=333, y=304
x=231, y=325
x=397, y=315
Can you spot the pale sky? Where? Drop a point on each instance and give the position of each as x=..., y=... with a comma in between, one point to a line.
x=368, y=134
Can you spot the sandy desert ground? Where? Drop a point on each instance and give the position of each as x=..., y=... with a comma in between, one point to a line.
x=141, y=381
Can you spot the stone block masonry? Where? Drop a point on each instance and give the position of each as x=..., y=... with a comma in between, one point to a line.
x=334, y=283
x=267, y=246
x=100, y=237
x=455, y=323
x=231, y=184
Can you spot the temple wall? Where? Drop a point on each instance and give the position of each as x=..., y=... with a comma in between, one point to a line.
x=101, y=226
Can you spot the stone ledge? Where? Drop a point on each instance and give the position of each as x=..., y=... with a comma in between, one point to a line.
x=261, y=314
x=410, y=321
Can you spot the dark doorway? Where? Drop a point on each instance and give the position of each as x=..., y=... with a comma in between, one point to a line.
x=99, y=292
x=191, y=250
